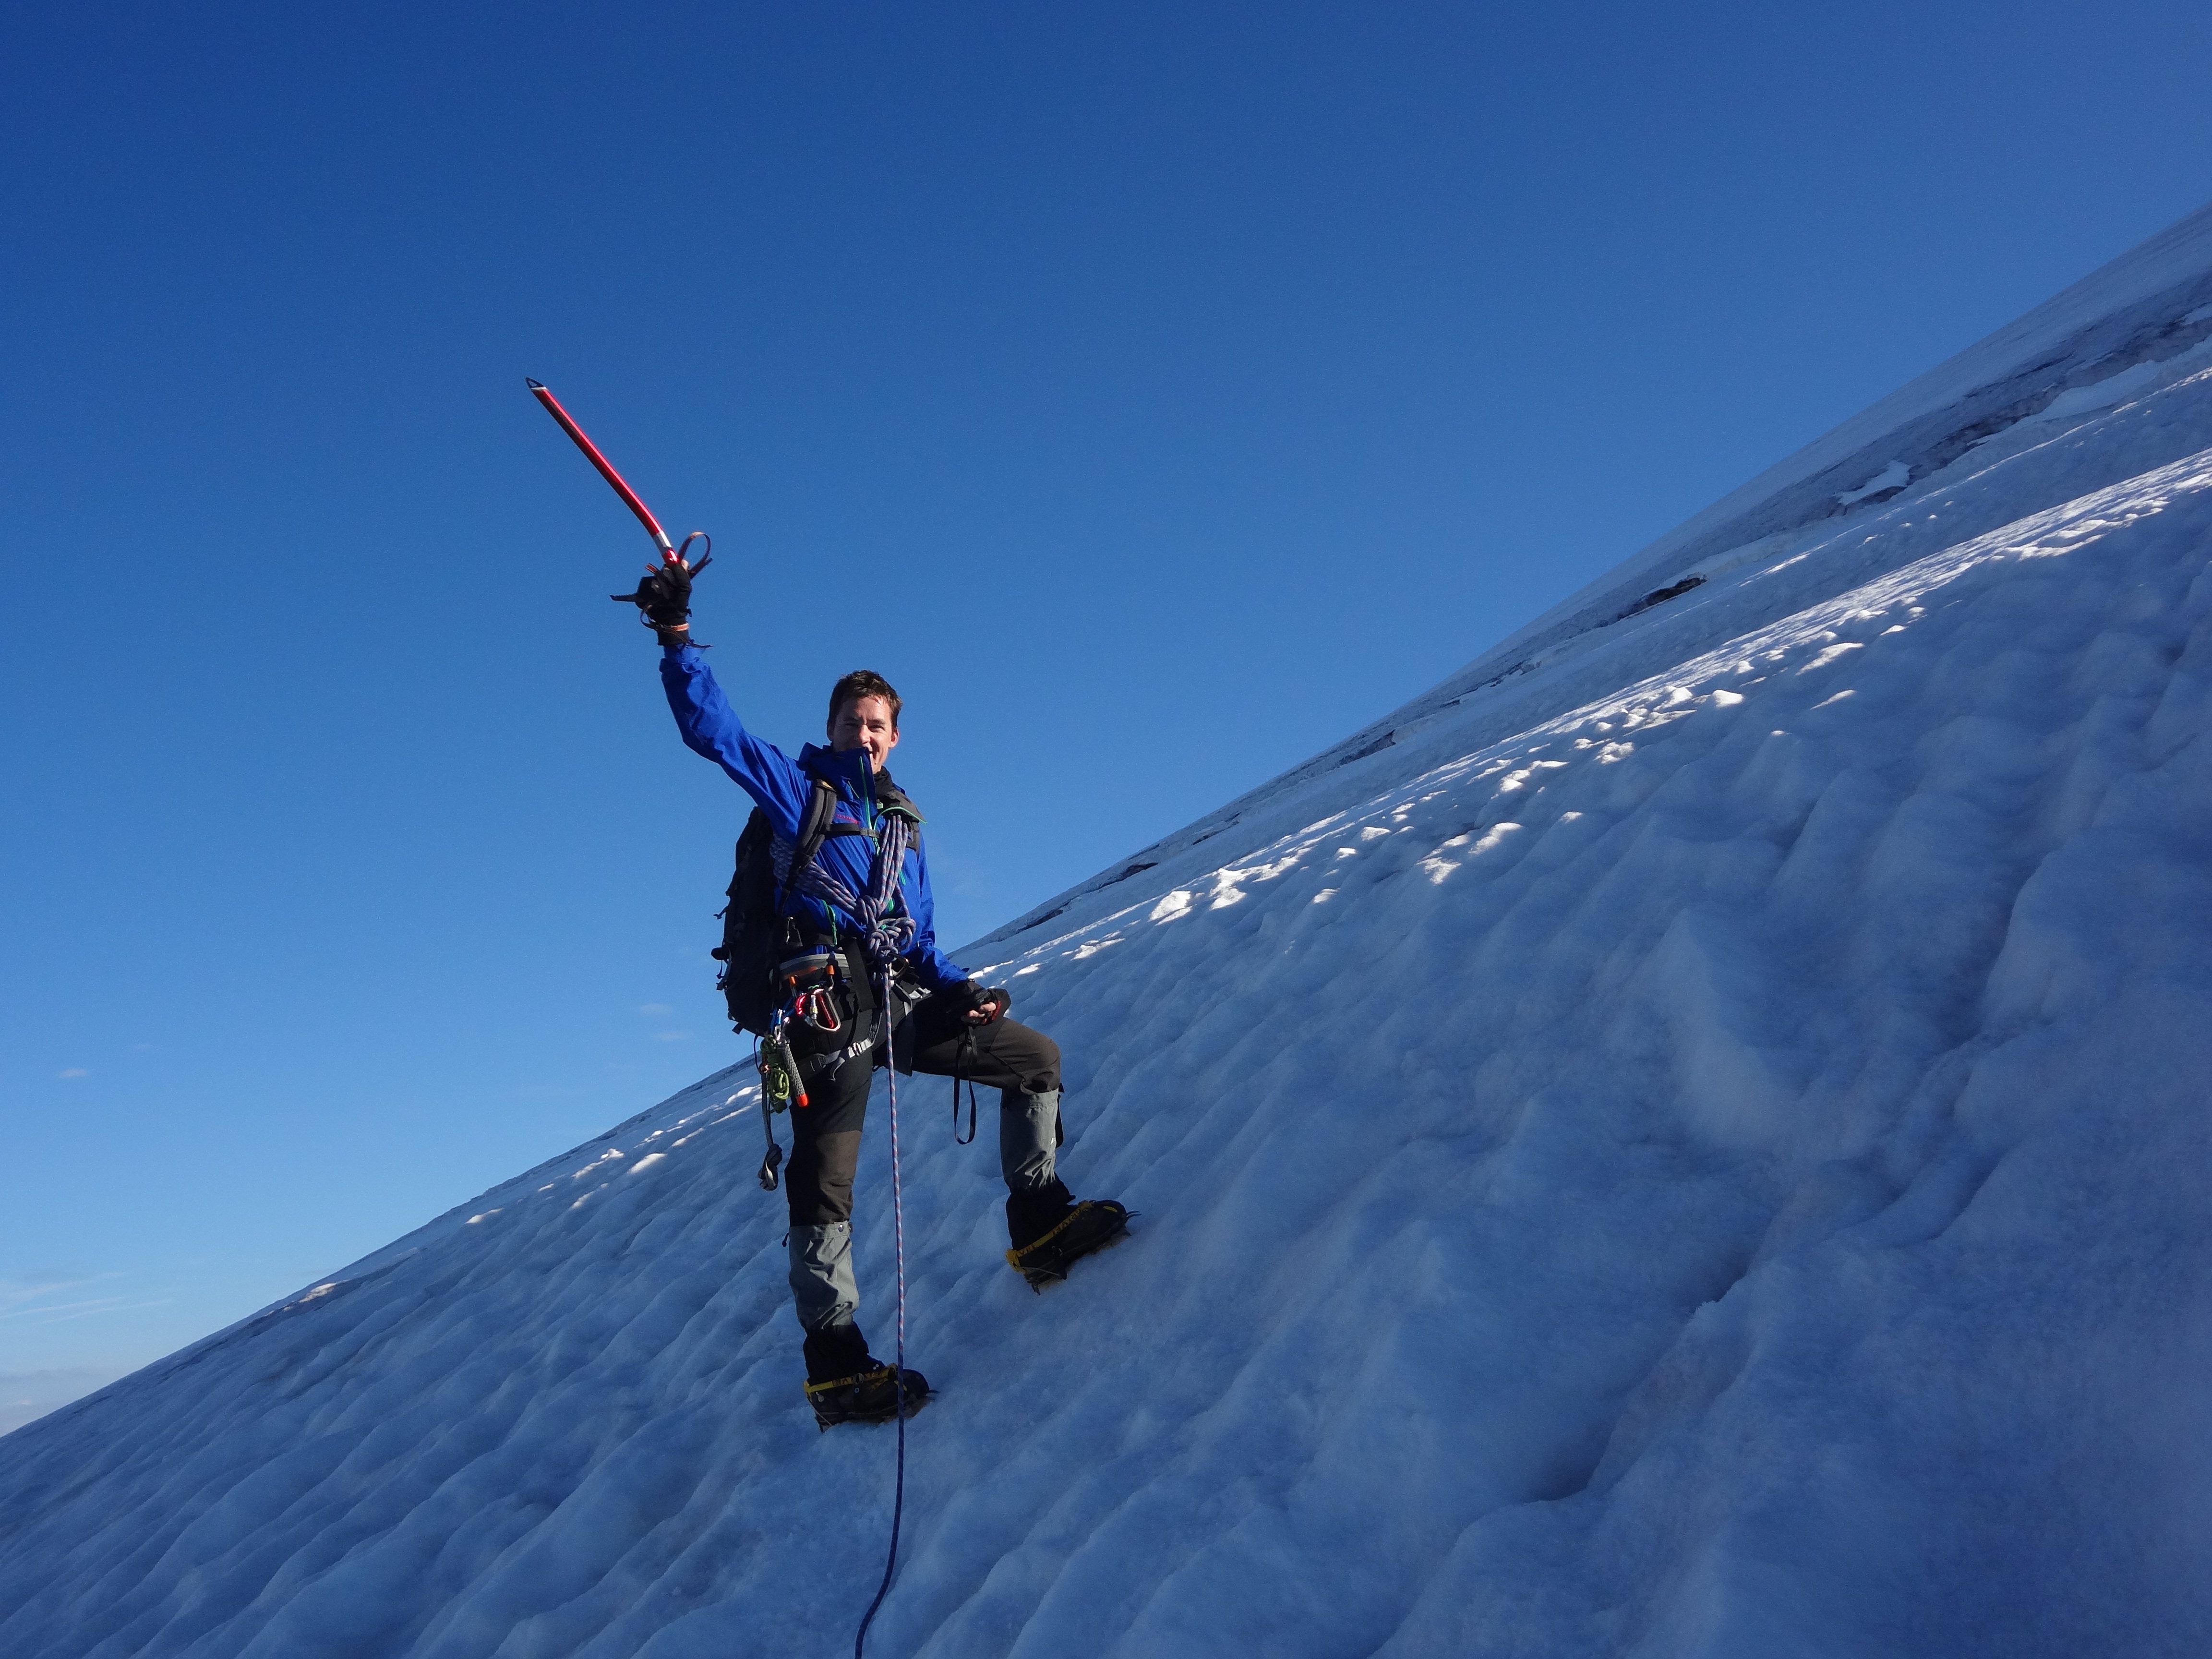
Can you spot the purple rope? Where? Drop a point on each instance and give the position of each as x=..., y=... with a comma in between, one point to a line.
x=898, y=1363
x=886, y=935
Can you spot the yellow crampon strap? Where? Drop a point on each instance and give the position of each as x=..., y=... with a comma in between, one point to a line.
x=876, y=1375
x=1014, y=1257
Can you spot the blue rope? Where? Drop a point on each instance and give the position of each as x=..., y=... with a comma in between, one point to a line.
x=898, y=1363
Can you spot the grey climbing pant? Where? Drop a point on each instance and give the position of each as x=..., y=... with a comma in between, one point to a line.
x=1022, y=1063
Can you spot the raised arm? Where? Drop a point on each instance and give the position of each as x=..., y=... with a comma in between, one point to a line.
x=711, y=727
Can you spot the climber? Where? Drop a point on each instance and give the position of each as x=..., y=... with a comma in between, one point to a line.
x=875, y=990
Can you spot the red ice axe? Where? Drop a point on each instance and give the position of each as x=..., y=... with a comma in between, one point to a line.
x=669, y=553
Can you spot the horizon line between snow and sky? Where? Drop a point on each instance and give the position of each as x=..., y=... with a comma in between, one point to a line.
x=1155, y=396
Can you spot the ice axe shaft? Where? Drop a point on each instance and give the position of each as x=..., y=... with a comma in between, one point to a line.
x=539, y=391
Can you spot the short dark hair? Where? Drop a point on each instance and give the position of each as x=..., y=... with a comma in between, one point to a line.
x=862, y=683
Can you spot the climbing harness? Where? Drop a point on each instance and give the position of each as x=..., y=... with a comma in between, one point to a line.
x=805, y=991
x=898, y=1362
x=807, y=982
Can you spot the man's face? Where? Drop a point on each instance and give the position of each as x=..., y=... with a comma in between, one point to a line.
x=865, y=723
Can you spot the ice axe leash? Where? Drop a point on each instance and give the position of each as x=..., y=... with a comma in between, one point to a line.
x=669, y=553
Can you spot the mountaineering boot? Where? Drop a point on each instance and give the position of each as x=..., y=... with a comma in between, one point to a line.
x=844, y=1385
x=1050, y=1228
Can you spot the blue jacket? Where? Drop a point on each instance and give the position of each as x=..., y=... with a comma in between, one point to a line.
x=781, y=786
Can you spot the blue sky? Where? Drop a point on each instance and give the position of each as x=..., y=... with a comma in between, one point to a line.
x=1155, y=393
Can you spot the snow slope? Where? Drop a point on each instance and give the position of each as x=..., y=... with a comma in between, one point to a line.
x=1695, y=1146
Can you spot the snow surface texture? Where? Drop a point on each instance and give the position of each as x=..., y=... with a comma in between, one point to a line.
x=1712, y=1166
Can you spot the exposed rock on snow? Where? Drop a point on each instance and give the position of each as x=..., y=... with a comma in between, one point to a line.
x=1689, y=1140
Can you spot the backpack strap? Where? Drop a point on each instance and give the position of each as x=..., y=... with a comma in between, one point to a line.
x=813, y=829
x=816, y=825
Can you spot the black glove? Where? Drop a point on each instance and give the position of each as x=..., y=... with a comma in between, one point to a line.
x=664, y=598
x=977, y=1005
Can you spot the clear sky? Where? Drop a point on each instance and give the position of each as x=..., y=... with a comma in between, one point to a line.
x=1153, y=393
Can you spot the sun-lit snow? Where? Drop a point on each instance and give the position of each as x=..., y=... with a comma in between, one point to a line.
x=1689, y=1139
x=1893, y=477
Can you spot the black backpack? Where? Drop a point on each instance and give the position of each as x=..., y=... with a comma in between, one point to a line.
x=756, y=935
